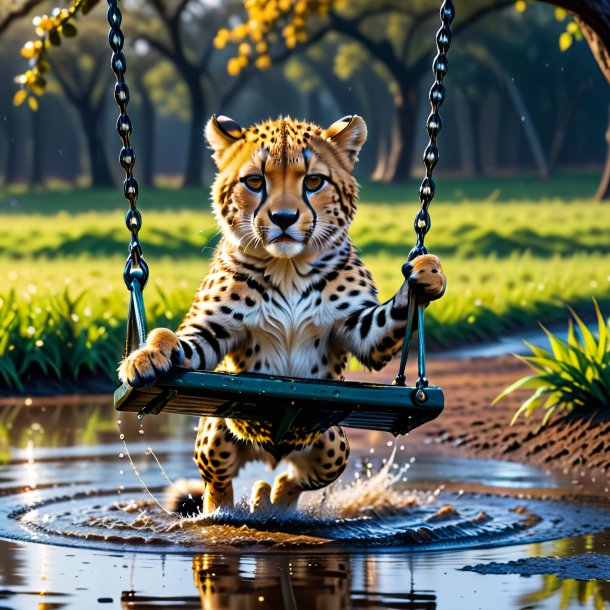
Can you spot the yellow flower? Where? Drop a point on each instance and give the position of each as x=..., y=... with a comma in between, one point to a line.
x=241, y=31
x=20, y=97
x=29, y=50
x=233, y=67
x=263, y=62
x=560, y=14
x=244, y=49
x=520, y=5
x=565, y=41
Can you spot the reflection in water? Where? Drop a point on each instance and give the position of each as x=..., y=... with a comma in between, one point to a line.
x=227, y=582
x=70, y=421
x=568, y=593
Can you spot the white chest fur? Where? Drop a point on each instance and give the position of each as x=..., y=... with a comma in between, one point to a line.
x=293, y=333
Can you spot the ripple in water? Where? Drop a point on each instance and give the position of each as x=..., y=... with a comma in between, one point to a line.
x=372, y=511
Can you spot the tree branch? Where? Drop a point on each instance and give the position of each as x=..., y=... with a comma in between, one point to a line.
x=17, y=13
x=158, y=46
x=70, y=92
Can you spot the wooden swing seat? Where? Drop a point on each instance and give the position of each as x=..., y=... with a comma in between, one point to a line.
x=283, y=401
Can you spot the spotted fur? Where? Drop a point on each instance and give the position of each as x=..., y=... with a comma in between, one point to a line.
x=286, y=294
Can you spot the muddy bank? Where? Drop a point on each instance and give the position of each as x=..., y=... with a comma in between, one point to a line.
x=591, y=566
x=578, y=446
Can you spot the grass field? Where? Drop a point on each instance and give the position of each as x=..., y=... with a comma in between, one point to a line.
x=510, y=261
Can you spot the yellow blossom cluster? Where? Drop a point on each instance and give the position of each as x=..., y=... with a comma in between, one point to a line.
x=49, y=29
x=269, y=22
x=572, y=31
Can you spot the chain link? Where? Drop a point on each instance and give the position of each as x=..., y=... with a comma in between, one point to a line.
x=422, y=222
x=136, y=268
x=440, y=66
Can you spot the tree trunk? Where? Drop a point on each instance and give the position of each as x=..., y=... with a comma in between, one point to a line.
x=147, y=135
x=101, y=176
x=11, y=167
x=36, y=176
x=405, y=107
x=565, y=113
x=529, y=130
x=603, y=191
x=466, y=133
x=193, y=175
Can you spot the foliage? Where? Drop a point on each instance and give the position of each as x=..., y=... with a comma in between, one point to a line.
x=50, y=29
x=566, y=38
x=573, y=374
x=267, y=23
x=509, y=263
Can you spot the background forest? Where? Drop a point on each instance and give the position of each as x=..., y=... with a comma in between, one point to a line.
x=523, y=149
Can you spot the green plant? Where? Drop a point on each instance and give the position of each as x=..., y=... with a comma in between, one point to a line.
x=573, y=374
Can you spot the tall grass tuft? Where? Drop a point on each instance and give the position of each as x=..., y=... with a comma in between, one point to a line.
x=571, y=375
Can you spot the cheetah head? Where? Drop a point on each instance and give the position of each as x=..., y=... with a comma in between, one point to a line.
x=285, y=188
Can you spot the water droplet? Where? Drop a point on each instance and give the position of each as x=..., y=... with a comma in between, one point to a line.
x=121, y=456
x=121, y=472
x=119, y=421
x=336, y=394
x=140, y=431
x=122, y=437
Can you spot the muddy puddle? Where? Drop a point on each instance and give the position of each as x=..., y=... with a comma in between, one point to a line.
x=79, y=530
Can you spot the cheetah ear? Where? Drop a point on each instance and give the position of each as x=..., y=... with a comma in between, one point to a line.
x=349, y=134
x=221, y=132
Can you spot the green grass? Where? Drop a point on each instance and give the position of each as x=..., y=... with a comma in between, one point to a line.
x=508, y=262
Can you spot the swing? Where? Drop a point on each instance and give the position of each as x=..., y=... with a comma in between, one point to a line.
x=281, y=402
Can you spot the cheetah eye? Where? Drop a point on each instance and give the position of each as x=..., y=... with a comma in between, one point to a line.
x=254, y=182
x=314, y=182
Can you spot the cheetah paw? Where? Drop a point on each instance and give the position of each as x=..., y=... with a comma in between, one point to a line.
x=161, y=351
x=426, y=277
x=261, y=497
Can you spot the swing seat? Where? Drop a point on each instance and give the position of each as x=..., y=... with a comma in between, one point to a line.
x=284, y=402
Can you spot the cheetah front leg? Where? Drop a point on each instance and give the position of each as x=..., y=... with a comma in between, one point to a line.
x=374, y=333
x=161, y=351
x=314, y=467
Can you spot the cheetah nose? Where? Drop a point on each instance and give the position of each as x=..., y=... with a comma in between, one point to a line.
x=284, y=218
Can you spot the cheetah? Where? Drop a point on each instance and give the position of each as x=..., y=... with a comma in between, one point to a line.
x=285, y=294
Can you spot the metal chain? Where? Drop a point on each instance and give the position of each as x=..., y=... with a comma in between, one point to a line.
x=422, y=222
x=136, y=268
x=440, y=65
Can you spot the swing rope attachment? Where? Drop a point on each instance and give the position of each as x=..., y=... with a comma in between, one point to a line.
x=422, y=222
x=135, y=274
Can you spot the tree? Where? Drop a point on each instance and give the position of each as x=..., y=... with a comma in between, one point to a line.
x=294, y=23
x=82, y=73
x=182, y=32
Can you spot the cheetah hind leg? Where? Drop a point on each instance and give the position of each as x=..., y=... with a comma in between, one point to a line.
x=314, y=467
